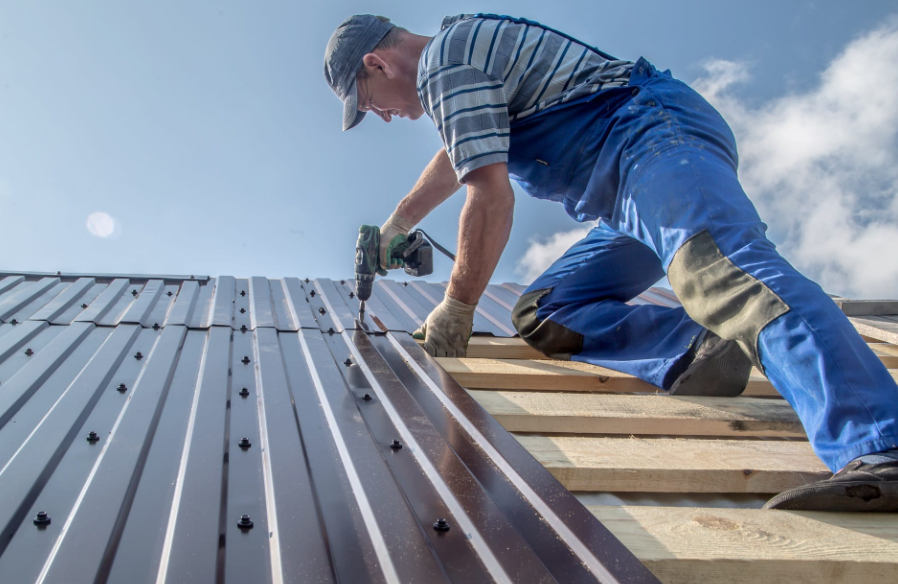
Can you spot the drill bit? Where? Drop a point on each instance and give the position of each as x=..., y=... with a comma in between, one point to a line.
x=362, y=310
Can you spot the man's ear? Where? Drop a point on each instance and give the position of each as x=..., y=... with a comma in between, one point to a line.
x=374, y=62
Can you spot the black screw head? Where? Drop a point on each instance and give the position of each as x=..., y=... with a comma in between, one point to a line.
x=347, y=362
x=84, y=305
x=330, y=331
x=307, y=280
x=29, y=352
x=169, y=293
x=242, y=310
x=243, y=292
x=367, y=397
x=42, y=518
x=92, y=436
x=321, y=310
x=342, y=281
x=405, y=283
x=441, y=525
x=138, y=355
x=396, y=445
x=155, y=326
x=122, y=387
x=244, y=392
x=244, y=443
x=245, y=360
x=14, y=322
x=245, y=522
x=312, y=293
x=243, y=328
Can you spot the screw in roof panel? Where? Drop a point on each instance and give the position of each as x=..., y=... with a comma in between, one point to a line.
x=441, y=525
x=245, y=360
x=244, y=392
x=42, y=518
x=138, y=355
x=396, y=444
x=122, y=387
x=245, y=522
x=92, y=436
x=29, y=352
x=244, y=443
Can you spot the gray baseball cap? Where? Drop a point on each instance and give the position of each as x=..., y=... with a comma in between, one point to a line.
x=354, y=38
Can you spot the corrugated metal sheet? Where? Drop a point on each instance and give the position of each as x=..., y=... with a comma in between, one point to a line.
x=287, y=304
x=248, y=430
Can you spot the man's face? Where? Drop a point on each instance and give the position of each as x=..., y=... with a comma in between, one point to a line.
x=388, y=95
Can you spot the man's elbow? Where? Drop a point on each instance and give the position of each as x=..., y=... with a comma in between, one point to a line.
x=491, y=184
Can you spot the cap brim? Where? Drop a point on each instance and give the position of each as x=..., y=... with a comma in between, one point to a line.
x=351, y=114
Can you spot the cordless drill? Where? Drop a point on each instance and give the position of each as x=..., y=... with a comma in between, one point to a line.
x=416, y=256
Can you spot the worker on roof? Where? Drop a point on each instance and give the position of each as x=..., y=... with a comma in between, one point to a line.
x=629, y=146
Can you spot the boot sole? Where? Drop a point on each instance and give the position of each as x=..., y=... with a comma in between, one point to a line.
x=852, y=496
x=721, y=374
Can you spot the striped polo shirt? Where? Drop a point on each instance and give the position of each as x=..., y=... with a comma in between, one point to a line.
x=478, y=75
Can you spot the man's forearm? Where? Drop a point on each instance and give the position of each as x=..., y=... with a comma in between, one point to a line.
x=436, y=184
x=483, y=232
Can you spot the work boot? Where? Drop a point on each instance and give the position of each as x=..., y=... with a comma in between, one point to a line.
x=860, y=486
x=719, y=368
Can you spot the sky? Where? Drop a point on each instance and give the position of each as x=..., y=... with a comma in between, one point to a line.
x=200, y=137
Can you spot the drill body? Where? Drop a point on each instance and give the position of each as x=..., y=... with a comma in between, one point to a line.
x=415, y=255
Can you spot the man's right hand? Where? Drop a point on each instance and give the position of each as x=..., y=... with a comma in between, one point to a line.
x=393, y=234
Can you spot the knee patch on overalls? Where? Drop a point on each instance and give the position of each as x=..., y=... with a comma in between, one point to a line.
x=549, y=338
x=722, y=297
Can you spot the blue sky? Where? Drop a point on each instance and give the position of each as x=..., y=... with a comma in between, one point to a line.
x=206, y=130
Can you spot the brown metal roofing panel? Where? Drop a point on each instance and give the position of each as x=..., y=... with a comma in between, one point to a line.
x=362, y=461
x=22, y=295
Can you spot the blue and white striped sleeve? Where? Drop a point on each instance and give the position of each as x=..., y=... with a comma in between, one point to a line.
x=470, y=110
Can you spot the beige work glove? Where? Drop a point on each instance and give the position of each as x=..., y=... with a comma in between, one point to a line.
x=393, y=233
x=448, y=328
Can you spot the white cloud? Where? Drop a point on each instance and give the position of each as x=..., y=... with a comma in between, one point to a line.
x=543, y=251
x=103, y=225
x=821, y=166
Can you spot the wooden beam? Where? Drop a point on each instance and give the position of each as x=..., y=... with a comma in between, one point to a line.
x=675, y=465
x=484, y=347
x=585, y=413
x=877, y=327
x=867, y=307
x=562, y=376
x=683, y=545
x=887, y=353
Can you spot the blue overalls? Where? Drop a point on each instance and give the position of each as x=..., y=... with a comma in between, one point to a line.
x=657, y=164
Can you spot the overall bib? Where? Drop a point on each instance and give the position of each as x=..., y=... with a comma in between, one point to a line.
x=657, y=165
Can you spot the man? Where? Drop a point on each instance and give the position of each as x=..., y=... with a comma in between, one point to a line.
x=628, y=145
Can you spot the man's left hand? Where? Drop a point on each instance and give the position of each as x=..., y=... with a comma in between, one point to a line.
x=448, y=328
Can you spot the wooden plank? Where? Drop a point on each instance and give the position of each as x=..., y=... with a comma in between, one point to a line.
x=486, y=347
x=585, y=413
x=561, y=376
x=745, y=546
x=675, y=465
x=887, y=353
x=876, y=327
x=867, y=307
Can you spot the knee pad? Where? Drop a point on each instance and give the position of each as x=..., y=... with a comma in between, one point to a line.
x=547, y=337
x=722, y=297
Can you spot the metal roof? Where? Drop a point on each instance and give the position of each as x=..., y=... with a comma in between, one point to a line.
x=125, y=402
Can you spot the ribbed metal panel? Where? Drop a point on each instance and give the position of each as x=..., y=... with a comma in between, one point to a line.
x=287, y=304
x=356, y=444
